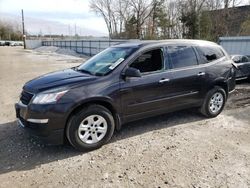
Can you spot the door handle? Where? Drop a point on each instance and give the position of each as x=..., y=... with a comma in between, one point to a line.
x=201, y=74
x=164, y=80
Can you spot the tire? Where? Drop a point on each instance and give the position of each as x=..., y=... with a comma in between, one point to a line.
x=90, y=128
x=214, y=102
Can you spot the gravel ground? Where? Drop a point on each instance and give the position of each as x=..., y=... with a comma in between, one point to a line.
x=181, y=149
x=56, y=50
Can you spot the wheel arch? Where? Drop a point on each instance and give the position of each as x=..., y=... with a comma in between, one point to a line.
x=105, y=102
x=221, y=83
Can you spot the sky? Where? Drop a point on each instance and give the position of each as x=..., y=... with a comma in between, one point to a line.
x=54, y=16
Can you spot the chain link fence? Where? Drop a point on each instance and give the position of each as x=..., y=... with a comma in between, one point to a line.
x=86, y=47
x=236, y=45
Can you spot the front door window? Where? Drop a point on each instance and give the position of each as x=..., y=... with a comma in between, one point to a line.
x=150, y=61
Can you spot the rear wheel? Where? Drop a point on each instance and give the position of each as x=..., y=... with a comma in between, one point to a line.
x=214, y=102
x=90, y=128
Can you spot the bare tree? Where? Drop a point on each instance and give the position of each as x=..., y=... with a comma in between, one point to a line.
x=123, y=13
x=191, y=11
x=142, y=9
x=157, y=19
x=214, y=4
x=10, y=31
x=103, y=8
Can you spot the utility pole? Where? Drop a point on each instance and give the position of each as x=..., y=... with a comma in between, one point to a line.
x=69, y=30
x=75, y=30
x=24, y=36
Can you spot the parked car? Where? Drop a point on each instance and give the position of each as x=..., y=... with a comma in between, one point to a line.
x=12, y=43
x=20, y=43
x=7, y=43
x=127, y=82
x=242, y=66
x=2, y=43
x=16, y=43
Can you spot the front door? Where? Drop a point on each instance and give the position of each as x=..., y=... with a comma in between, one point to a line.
x=143, y=95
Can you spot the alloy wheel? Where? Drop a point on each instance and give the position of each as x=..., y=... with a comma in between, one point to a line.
x=92, y=129
x=216, y=102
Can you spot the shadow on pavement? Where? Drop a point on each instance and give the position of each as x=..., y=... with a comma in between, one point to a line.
x=18, y=150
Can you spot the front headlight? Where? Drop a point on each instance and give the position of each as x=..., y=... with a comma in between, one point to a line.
x=48, y=97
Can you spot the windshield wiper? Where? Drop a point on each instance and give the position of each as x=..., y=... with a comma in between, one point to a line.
x=99, y=74
x=84, y=71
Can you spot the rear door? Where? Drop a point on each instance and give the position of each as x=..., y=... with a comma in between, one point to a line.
x=187, y=76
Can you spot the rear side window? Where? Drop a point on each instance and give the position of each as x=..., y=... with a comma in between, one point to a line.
x=181, y=56
x=210, y=53
x=245, y=59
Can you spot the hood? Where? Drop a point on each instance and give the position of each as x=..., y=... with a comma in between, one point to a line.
x=56, y=79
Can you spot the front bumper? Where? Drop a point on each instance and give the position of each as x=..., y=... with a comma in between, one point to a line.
x=45, y=122
x=53, y=138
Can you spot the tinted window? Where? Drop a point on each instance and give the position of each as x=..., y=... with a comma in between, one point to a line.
x=245, y=59
x=208, y=53
x=149, y=61
x=181, y=56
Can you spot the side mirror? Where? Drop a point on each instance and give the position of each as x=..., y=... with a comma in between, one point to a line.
x=132, y=72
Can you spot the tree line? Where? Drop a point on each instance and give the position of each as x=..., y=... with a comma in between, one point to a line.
x=161, y=19
x=10, y=31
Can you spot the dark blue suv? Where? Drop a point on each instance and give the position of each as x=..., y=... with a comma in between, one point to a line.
x=86, y=104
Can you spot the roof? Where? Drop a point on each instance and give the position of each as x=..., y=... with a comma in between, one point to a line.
x=170, y=41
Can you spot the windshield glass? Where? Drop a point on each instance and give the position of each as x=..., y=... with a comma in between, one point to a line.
x=107, y=60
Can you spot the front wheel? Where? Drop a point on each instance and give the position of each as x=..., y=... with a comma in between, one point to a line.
x=90, y=128
x=214, y=102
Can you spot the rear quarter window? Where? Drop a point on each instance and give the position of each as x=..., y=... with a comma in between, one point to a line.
x=209, y=53
x=245, y=59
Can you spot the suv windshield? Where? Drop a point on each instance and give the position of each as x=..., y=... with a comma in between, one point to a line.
x=104, y=62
